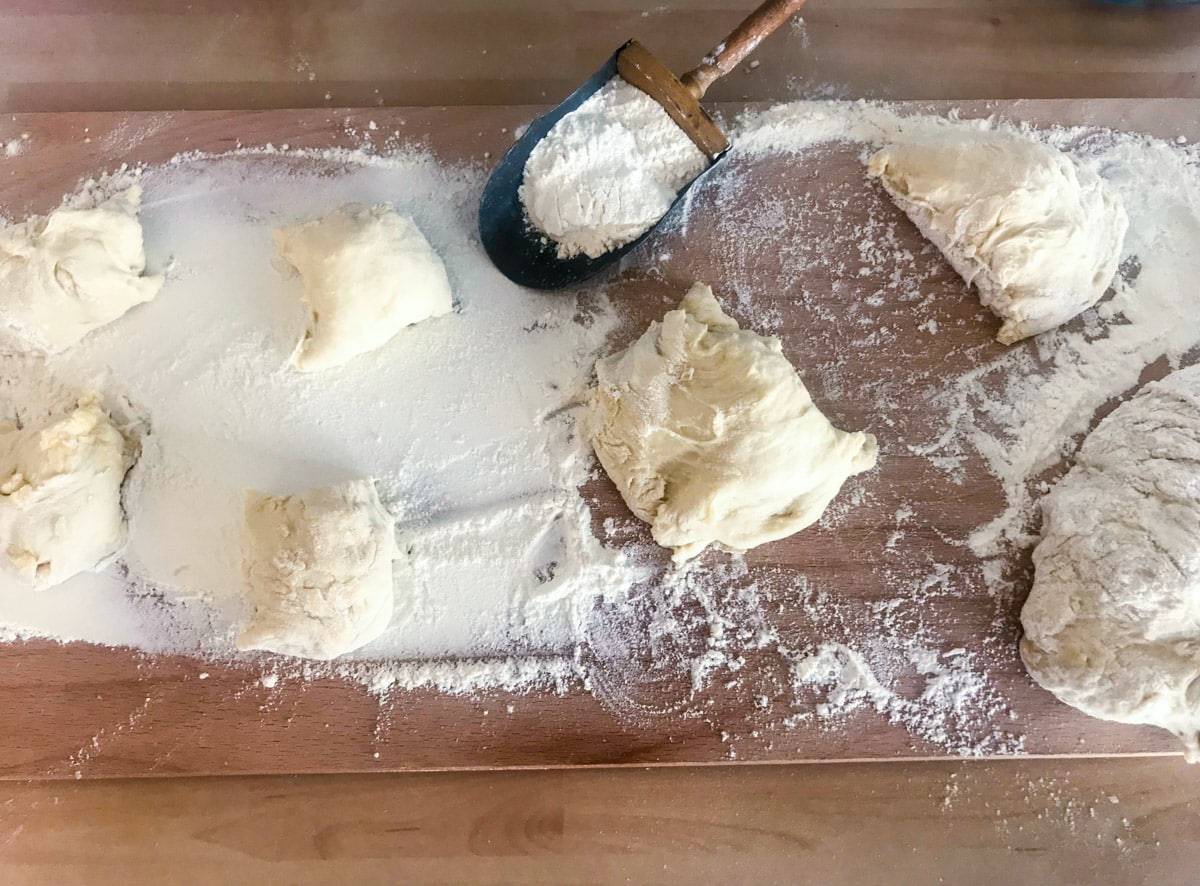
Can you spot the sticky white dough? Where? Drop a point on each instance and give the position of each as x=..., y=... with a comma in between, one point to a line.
x=1112, y=625
x=318, y=570
x=67, y=274
x=60, y=496
x=711, y=436
x=367, y=273
x=1038, y=235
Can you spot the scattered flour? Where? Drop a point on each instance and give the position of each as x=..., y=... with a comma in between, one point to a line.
x=846, y=675
x=927, y=642
x=15, y=146
x=466, y=425
x=1023, y=411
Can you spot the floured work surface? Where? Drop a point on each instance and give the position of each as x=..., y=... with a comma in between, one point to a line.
x=877, y=634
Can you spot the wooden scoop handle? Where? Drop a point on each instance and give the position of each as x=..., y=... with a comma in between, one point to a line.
x=744, y=39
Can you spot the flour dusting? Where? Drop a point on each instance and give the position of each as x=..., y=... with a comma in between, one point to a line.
x=903, y=614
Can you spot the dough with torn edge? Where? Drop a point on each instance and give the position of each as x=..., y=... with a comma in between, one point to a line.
x=1038, y=235
x=367, y=272
x=318, y=570
x=712, y=438
x=67, y=274
x=60, y=495
x=1112, y=625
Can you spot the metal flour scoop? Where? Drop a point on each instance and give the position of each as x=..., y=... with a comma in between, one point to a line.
x=528, y=257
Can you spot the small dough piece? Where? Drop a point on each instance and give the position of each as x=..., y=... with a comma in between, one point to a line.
x=1112, y=625
x=71, y=272
x=711, y=437
x=1039, y=236
x=367, y=272
x=60, y=496
x=318, y=570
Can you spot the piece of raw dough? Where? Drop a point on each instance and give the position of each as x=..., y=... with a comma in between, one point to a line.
x=1038, y=235
x=71, y=272
x=60, y=495
x=367, y=272
x=711, y=437
x=1112, y=625
x=318, y=570
x=607, y=172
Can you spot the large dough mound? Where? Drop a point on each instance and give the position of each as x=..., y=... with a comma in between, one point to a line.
x=60, y=496
x=71, y=272
x=711, y=436
x=1038, y=236
x=367, y=273
x=1112, y=625
x=318, y=570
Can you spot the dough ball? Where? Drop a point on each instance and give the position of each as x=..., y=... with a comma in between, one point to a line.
x=711, y=436
x=1112, y=625
x=367, y=272
x=318, y=570
x=60, y=496
x=1039, y=236
x=71, y=272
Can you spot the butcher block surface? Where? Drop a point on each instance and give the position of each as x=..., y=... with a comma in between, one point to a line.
x=78, y=710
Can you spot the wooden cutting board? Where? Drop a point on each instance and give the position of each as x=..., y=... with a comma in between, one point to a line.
x=78, y=710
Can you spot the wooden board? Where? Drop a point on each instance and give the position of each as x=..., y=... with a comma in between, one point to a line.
x=1046, y=822
x=294, y=53
x=82, y=711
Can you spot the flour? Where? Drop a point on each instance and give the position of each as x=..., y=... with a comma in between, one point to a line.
x=608, y=171
x=16, y=146
x=512, y=589
x=1022, y=412
x=463, y=418
x=894, y=667
x=845, y=674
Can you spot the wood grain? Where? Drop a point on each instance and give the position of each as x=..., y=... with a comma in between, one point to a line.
x=1119, y=822
x=85, y=711
x=58, y=55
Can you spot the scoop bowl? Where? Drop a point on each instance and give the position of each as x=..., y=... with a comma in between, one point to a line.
x=519, y=251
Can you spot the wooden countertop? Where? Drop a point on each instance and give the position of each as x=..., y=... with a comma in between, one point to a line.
x=1044, y=821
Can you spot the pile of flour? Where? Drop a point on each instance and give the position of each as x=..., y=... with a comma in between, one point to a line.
x=607, y=172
